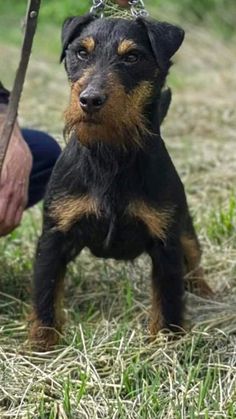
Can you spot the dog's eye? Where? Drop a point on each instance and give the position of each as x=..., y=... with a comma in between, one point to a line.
x=131, y=58
x=82, y=54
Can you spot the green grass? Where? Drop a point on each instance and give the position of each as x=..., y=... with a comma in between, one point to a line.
x=105, y=365
x=222, y=224
x=218, y=15
x=56, y=12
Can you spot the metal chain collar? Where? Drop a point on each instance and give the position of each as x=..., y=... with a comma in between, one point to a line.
x=137, y=8
x=98, y=7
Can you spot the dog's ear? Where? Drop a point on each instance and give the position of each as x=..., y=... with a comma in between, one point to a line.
x=165, y=40
x=72, y=27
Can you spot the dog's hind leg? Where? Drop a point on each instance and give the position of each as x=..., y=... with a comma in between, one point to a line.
x=50, y=266
x=167, y=287
x=194, y=274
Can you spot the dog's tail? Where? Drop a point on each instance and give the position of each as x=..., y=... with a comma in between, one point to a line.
x=165, y=102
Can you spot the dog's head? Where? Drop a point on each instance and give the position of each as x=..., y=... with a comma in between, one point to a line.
x=117, y=68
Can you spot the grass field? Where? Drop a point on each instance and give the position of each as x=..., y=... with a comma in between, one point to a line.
x=105, y=366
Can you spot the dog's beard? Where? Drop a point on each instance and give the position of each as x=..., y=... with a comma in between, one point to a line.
x=108, y=131
x=120, y=122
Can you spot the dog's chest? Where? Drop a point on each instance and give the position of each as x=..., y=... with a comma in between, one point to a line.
x=112, y=227
x=118, y=236
x=108, y=208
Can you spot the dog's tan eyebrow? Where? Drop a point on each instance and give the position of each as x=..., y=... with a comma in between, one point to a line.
x=125, y=46
x=88, y=43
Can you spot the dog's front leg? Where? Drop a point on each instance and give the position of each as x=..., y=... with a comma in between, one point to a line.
x=50, y=266
x=167, y=287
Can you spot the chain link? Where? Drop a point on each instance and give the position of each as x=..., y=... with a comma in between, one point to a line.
x=98, y=7
x=137, y=8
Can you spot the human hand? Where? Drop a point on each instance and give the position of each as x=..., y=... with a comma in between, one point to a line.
x=14, y=181
x=123, y=3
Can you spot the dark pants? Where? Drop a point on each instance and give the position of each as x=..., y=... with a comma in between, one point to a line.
x=45, y=152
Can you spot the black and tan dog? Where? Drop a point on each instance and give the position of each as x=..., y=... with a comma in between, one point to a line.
x=115, y=189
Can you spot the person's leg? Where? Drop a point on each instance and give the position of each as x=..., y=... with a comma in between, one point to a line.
x=45, y=151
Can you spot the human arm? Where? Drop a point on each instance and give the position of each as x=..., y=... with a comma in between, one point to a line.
x=14, y=179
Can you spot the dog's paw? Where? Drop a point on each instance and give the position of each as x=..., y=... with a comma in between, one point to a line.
x=200, y=288
x=170, y=332
x=155, y=326
x=41, y=337
x=204, y=290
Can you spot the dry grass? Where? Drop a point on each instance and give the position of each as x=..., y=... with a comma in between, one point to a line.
x=105, y=367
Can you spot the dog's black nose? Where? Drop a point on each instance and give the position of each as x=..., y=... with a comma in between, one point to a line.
x=91, y=100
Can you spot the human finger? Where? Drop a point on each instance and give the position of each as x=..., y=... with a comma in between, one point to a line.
x=123, y=3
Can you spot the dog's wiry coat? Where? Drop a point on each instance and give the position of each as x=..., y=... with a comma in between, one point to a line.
x=123, y=114
x=115, y=189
